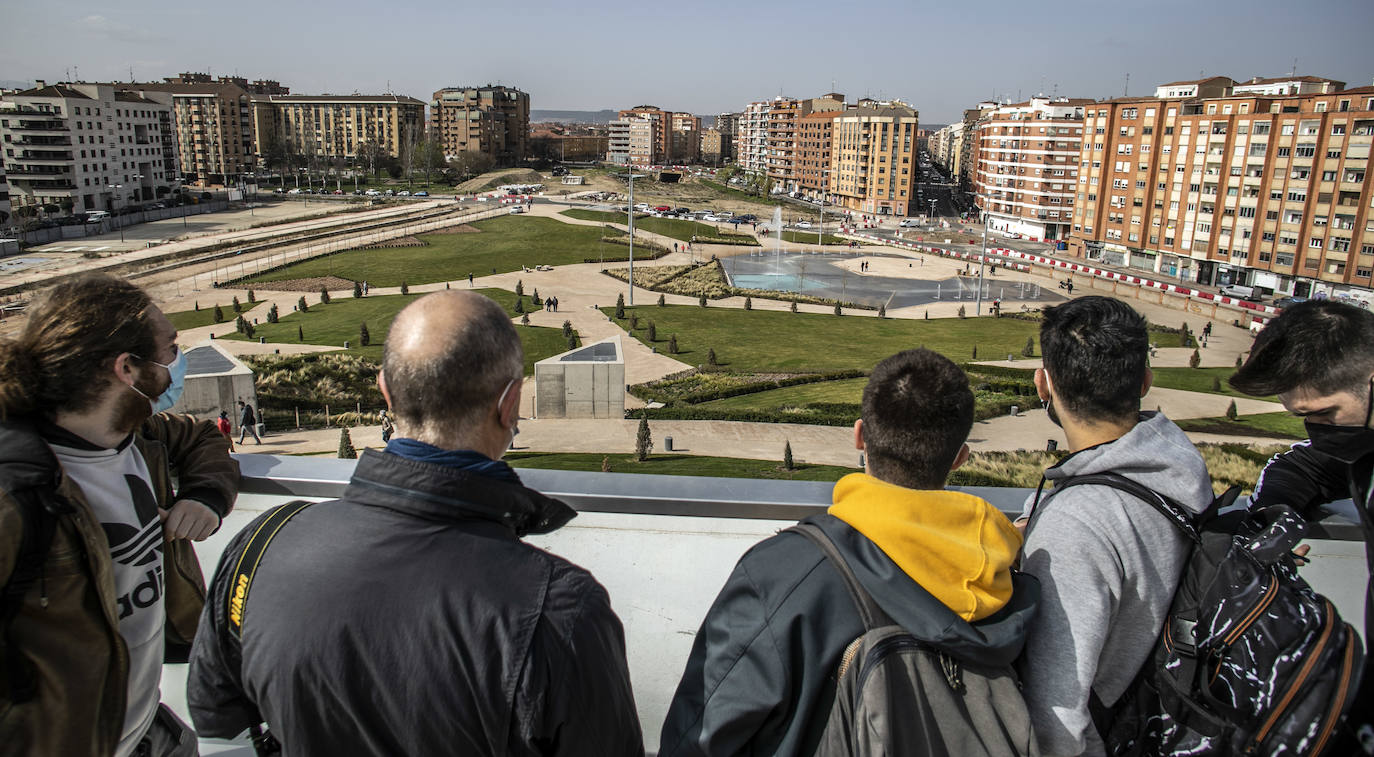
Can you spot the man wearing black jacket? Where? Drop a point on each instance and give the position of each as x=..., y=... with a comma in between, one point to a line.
x=408, y=617
x=1318, y=357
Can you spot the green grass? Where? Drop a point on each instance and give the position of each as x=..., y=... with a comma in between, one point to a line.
x=1199, y=380
x=848, y=391
x=759, y=341
x=679, y=465
x=506, y=243
x=675, y=228
x=1279, y=425
x=807, y=237
x=736, y=194
x=339, y=321
x=192, y=319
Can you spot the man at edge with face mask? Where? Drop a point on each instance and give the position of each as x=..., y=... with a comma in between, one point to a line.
x=101, y=585
x=1318, y=357
x=409, y=616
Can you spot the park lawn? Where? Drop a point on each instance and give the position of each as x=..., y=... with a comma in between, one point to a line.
x=1199, y=380
x=505, y=244
x=765, y=341
x=842, y=391
x=806, y=237
x=193, y=319
x=675, y=228
x=600, y=216
x=340, y=321
x=735, y=194
x=1279, y=425
x=678, y=465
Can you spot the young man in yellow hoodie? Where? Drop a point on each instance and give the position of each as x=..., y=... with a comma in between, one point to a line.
x=761, y=676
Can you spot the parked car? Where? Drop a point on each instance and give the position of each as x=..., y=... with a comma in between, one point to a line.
x=403, y=193
x=802, y=224
x=422, y=193
x=338, y=191
x=747, y=218
x=373, y=193
x=517, y=210
x=1284, y=302
x=1239, y=291
x=96, y=216
x=908, y=223
x=642, y=206
x=712, y=217
x=681, y=211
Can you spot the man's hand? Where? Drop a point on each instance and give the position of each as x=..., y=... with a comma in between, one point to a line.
x=188, y=519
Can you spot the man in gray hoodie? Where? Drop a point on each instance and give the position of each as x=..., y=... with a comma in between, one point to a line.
x=1108, y=563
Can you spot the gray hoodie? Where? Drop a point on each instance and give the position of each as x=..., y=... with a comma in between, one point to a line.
x=1108, y=565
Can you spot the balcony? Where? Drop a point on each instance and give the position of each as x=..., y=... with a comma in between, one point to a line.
x=43, y=156
x=36, y=124
x=664, y=545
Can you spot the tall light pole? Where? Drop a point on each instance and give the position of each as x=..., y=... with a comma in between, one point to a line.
x=115, y=189
x=982, y=256
x=254, y=177
x=820, y=230
x=630, y=175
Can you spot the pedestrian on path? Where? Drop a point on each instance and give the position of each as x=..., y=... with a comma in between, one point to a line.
x=222, y=423
x=469, y=279
x=248, y=422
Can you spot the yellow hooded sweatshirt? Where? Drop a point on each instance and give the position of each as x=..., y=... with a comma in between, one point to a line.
x=956, y=546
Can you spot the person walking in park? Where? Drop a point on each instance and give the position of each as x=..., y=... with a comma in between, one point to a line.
x=225, y=427
x=387, y=427
x=248, y=422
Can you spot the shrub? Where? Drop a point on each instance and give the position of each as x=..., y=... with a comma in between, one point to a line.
x=405, y=288
x=794, y=306
x=653, y=332
x=272, y=315
x=219, y=315
x=300, y=334
x=882, y=310
x=1231, y=413
x=252, y=297
x=838, y=311
x=236, y=306
x=661, y=301
x=1216, y=384
x=197, y=306
x=672, y=344
x=787, y=461
x=975, y=352
x=711, y=357
x=346, y=450
x=962, y=313
x=534, y=298
x=572, y=341
x=702, y=301
x=634, y=321
x=1195, y=359
x=525, y=319
x=520, y=288
x=357, y=290
x=748, y=303
x=567, y=329
x=301, y=306
x=519, y=304
x=620, y=307
x=644, y=442
x=364, y=338
x=1239, y=361
x=1029, y=349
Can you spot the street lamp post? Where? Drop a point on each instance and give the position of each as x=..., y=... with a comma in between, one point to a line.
x=630, y=175
x=982, y=256
x=254, y=177
x=115, y=189
x=820, y=230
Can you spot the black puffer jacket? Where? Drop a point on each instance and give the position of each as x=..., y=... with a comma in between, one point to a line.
x=409, y=618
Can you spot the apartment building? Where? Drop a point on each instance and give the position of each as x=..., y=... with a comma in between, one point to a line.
x=814, y=134
x=1026, y=165
x=334, y=127
x=943, y=146
x=90, y=144
x=1288, y=85
x=647, y=136
x=685, y=139
x=728, y=123
x=751, y=140
x=873, y=158
x=6, y=210
x=1271, y=191
x=780, y=161
x=715, y=147
x=492, y=119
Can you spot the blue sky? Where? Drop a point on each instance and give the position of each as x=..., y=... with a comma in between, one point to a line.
x=703, y=57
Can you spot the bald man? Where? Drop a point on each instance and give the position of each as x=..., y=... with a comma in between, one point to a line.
x=408, y=617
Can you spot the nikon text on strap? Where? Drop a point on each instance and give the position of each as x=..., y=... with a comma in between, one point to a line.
x=247, y=567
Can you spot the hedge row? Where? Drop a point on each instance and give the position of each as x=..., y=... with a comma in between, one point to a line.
x=647, y=391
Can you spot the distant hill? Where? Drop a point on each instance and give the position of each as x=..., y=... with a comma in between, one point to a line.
x=574, y=116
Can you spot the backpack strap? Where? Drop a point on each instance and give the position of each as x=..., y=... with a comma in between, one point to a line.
x=1171, y=510
x=35, y=541
x=241, y=581
x=869, y=611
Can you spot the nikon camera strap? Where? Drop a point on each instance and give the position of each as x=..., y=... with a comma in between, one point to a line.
x=247, y=567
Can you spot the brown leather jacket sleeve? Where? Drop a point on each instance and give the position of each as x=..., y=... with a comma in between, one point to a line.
x=199, y=456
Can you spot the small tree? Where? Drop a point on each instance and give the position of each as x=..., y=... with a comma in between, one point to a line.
x=794, y=306
x=882, y=310
x=357, y=290
x=838, y=311
x=787, y=461
x=748, y=303
x=711, y=357
x=346, y=450
x=653, y=332
x=300, y=334
x=239, y=323
x=251, y=296
x=405, y=288
x=272, y=315
x=534, y=299
x=567, y=329
x=962, y=313
x=1029, y=349
x=300, y=304
x=197, y=306
x=572, y=341
x=620, y=306
x=1231, y=413
x=364, y=338
x=661, y=301
x=519, y=304
x=236, y=306
x=525, y=319
x=644, y=442
x=1216, y=384
x=1239, y=361
x=975, y=352
x=672, y=344
x=218, y=315
x=520, y=288
x=634, y=321
x=1195, y=359
x=702, y=300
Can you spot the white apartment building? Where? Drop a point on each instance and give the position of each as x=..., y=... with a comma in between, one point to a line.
x=632, y=142
x=6, y=212
x=751, y=140
x=1026, y=169
x=93, y=145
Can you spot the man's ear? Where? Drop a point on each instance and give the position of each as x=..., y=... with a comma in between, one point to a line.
x=123, y=368
x=1149, y=382
x=960, y=458
x=859, y=435
x=1042, y=383
x=386, y=393
x=509, y=411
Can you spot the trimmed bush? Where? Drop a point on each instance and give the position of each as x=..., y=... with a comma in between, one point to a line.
x=346, y=450
x=1029, y=349
x=672, y=344
x=252, y=297
x=702, y=301
x=237, y=307
x=620, y=307
x=301, y=306
x=711, y=357
x=748, y=303
x=219, y=315
x=364, y=338
x=661, y=301
x=644, y=442
x=1231, y=413
x=324, y=296
x=357, y=290
x=1195, y=359
x=405, y=288
x=838, y=311
x=787, y=461
x=653, y=332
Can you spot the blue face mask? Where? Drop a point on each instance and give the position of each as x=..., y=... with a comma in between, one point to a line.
x=177, y=371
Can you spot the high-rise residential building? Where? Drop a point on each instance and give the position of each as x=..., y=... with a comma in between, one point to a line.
x=90, y=145
x=6, y=210
x=728, y=123
x=873, y=158
x=685, y=139
x=780, y=163
x=646, y=135
x=751, y=139
x=494, y=120
x=963, y=152
x=944, y=146
x=715, y=147
x=1026, y=165
x=1270, y=191
x=1287, y=85
x=334, y=127
x=814, y=132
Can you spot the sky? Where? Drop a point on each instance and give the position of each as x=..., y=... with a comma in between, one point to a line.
x=703, y=57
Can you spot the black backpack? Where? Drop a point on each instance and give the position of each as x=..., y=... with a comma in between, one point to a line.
x=1250, y=659
x=896, y=695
